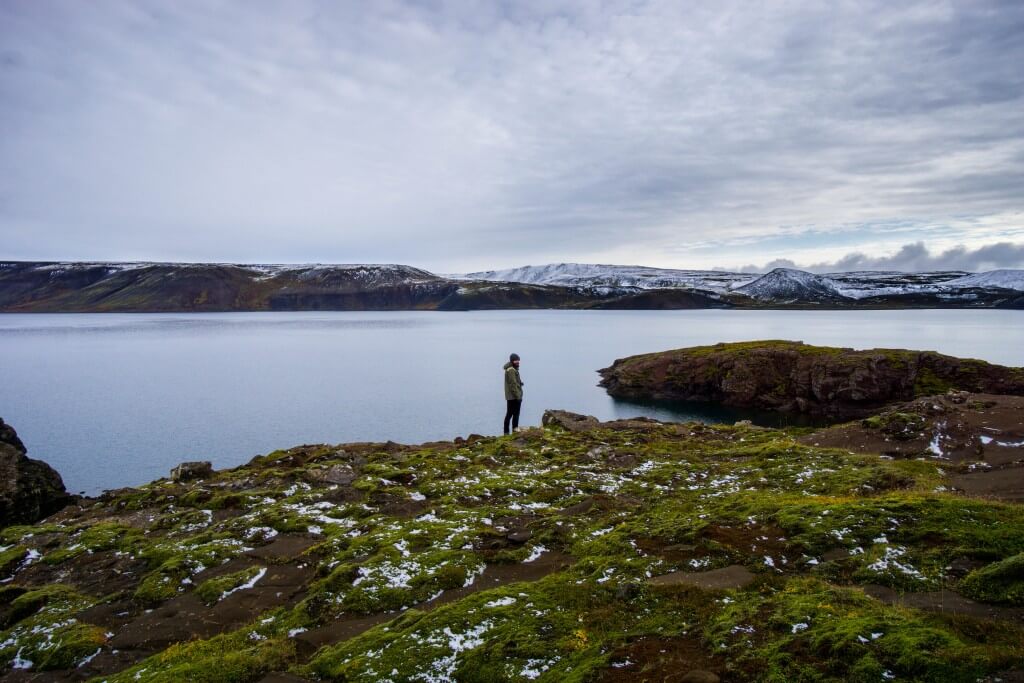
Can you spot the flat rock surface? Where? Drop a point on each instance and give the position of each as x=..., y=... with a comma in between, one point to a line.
x=733, y=576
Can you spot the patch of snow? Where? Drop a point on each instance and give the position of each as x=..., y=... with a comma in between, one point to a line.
x=986, y=440
x=247, y=585
x=536, y=553
x=1003, y=279
x=473, y=574
x=535, y=667
x=890, y=560
x=19, y=663
x=501, y=602
x=89, y=658
x=935, y=447
x=610, y=279
x=264, y=532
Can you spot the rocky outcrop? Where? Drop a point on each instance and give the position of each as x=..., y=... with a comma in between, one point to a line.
x=198, y=469
x=572, y=422
x=29, y=489
x=795, y=377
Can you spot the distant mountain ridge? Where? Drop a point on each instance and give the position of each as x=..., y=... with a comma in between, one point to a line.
x=55, y=286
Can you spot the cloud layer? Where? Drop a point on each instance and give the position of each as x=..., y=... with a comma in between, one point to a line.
x=466, y=135
x=915, y=257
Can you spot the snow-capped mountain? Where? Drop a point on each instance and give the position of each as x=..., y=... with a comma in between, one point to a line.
x=611, y=277
x=868, y=283
x=1003, y=279
x=785, y=285
x=150, y=287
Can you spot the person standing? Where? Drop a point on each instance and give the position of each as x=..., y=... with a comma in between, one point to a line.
x=513, y=392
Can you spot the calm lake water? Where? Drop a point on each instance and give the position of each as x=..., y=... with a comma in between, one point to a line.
x=114, y=400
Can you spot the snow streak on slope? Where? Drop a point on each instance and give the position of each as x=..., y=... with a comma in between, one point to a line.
x=862, y=284
x=599, y=276
x=1004, y=279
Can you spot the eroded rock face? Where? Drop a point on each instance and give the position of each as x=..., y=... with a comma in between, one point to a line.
x=795, y=377
x=29, y=489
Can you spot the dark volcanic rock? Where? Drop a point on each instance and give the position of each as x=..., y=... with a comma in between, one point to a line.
x=573, y=422
x=10, y=437
x=794, y=377
x=29, y=489
x=192, y=470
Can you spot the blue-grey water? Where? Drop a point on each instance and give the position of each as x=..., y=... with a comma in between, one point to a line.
x=113, y=400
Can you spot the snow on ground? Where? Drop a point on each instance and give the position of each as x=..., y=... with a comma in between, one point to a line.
x=589, y=275
x=1005, y=279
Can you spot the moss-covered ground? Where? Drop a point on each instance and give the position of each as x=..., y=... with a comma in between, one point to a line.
x=411, y=533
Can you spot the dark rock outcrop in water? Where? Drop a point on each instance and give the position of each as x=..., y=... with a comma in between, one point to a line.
x=795, y=377
x=29, y=489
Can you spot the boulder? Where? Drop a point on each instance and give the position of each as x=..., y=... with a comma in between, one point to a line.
x=29, y=489
x=192, y=470
x=573, y=422
x=342, y=475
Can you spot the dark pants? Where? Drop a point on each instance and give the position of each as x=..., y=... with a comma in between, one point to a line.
x=512, y=413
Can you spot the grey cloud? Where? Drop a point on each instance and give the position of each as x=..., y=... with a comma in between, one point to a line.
x=445, y=134
x=916, y=257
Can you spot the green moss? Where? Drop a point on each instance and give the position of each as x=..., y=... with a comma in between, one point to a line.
x=43, y=630
x=20, y=533
x=927, y=383
x=999, y=582
x=11, y=558
x=175, y=561
x=816, y=632
x=213, y=590
x=624, y=505
x=900, y=426
x=96, y=538
x=243, y=655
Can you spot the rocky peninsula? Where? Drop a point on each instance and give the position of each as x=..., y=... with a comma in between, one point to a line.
x=794, y=377
x=886, y=548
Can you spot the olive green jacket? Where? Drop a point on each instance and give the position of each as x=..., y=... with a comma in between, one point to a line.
x=513, y=383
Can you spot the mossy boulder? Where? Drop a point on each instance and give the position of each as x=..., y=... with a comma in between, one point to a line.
x=999, y=582
x=792, y=376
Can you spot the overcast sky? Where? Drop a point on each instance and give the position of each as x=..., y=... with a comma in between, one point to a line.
x=462, y=136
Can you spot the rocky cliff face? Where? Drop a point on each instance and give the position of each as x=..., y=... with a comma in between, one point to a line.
x=795, y=377
x=29, y=489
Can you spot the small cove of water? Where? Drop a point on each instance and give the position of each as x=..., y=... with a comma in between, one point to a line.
x=118, y=399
